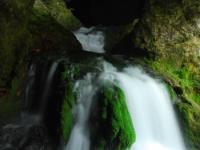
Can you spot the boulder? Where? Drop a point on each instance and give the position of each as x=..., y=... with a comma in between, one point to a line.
x=170, y=31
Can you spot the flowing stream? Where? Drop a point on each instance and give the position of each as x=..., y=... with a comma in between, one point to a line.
x=79, y=138
x=151, y=110
x=148, y=102
x=91, y=39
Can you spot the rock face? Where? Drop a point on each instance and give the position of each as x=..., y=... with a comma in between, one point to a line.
x=48, y=34
x=170, y=30
x=29, y=28
x=18, y=136
x=104, y=12
x=13, y=49
x=62, y=14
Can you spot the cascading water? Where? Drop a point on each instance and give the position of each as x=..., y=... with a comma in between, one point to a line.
x=150, y=108
x=47, y=87
x=79, y=138
x=91, y=39
x=148, y=103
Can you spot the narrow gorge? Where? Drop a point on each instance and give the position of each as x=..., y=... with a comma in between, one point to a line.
x=99, y=75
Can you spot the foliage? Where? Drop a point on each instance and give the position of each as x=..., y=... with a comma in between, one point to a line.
x=184, y=77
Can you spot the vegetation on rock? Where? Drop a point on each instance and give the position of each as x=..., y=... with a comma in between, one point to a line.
x=14, y=16
x=171, y=31
x=111, y=120
x=67, y=105
x=48, y=34
x=29, y=27
x=62, y=14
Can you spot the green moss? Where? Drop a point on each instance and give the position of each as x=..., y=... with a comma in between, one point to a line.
x=171, y=92
x=48, y=33
x=69, y=76
x=112, y=123
x=15, y=42
x=169, y=30
x=66, y=113
x=25, y=29
x=62, y=14
x=13, y=47
x=68, y=102
x=10, y=104
x=186, y=78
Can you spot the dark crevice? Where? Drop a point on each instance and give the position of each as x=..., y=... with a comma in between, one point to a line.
x=106, y=12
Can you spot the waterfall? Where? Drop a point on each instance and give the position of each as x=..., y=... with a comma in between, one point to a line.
x=148, y=102
x=48, y=87
x=91, y=39
x=150, y=108
x=149, y=105
x=29, y=84
x=79, y=138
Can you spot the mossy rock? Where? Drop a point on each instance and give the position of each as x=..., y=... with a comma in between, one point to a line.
x=170, y=30
x=15, y=42
x=185, y=84
x=27, y=27
x=13, y=29
x=66, y=113
x=68, y=76
x=63, y=15
x=71, y=73
x=111, y=124
x=48, y=33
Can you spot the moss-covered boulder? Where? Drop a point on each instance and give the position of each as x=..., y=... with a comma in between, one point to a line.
x=48, y=34
x=66, y=113
x=69, y=76
x=170, y=30
x=27, y=28
x=74, y=70
x=15, y=42
x=111, y=124
x=63, y=15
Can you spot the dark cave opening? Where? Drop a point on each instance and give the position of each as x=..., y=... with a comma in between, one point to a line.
x=104, y=12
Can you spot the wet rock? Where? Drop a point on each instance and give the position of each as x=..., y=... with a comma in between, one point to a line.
x=3, y=92
x=25, y=137
x=170, y=29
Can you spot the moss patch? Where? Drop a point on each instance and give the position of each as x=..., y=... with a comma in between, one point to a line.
x=62, y=14
x=48, y=34
x=69, y=76
x=111, y=124
x=169, y=29
x=66, y=113
x=14, y=17
x=28, y=27
x=187, y=80
x=67, y=105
